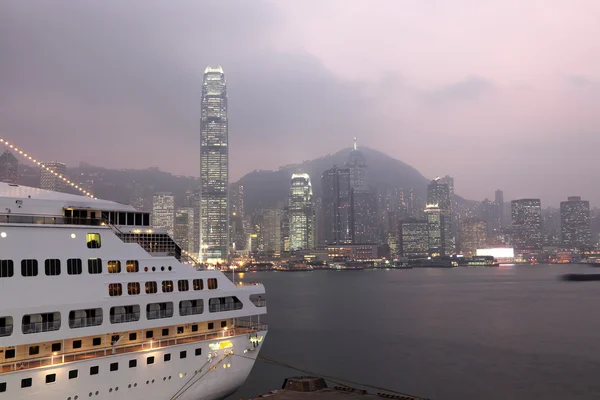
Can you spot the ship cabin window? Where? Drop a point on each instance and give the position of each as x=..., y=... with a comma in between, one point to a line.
x=150, y=360
x=149, y=334
x=7, y=268
x=167, y=357
x=52, y=267
x=85, y=318
x=212, y=283
x=165, y=332
x=223, y=324
x=198, y=284
x=97, y=341
x=122, y=220
x=132, y=266
x=133, y=288
x=211, y=325
x=159, y=310
x=229, y=303
x=130, y=219
x=123, y=314
x=183, y=285
x=191, y=307
x=132, y=336
x=25, y=383
x=34, y=350
x=56, y=347
x=132, y=363
x=195, y=328
x=115, y=289
x=198, y=352
x=94, y=370
x=50, y=378
x=151, y=287
x=2, y=387
x=76, y=344
x=114, y=366
x=74, y=266
x=73, y=374
x=29, y=267
x=167, y=286
x=138, y=219
x=6, y=326
x=183, y=354
x=95, y=266
x=36, y=323
x=10, y=353
x=180, y=330
x=114, y=267
x=93, y=240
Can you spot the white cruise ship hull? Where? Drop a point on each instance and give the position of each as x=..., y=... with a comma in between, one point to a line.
x=210, y=376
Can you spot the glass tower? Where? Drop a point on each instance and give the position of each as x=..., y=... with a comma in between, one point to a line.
x=301, y=214
x=214, y=164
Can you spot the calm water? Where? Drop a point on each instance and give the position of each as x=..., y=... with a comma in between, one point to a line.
x=486, y=333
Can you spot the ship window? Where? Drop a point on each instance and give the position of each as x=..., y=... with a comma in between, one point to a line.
x=132, y=336
x=182, y=354
x=73, y=374
x=167, y=286
x=138, y=219
x=56, y=347
x=93, y=240
x=133, y=288
x=76, y=344
x=220, y=304
x=115, y=289
x=167, y=357
x=165, y=332
x=198, y=284
x=36, y=323
x=150, y=360
x=146, y=219
x=25, y=383
x=159, y=310
x=211, y=325
x=183, y=285
x=94, y=370
x=195, y=328
x=130, y=218
x=132, y=266
x=191, y=307
x=85, y=318
x=151, y=287
x=122, y=314
x=97, y=341
x=29, y=267
x=52, y=267
x=95, y=266
x=198, y=352
x=180, y=330
x=114, y=267
x=6, y=326
x=34, y=350
x=74, y=266
x=50, y=378
x=114, y=366
x=149, y=334
x=212, y=283
x=114, y=339
x=10, y=353
x=122, y=218
x=7, y=268
x=223, y=324
x=2, y=387
x=132, y=363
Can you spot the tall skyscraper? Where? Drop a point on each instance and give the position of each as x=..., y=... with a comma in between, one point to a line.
x=499, y=200
x=364, y=200
x=184, y=228
x=301, y=215
x=214, y=168
x=473, y=236
x=337, y=206
x=49, y=181
x=414, y=238
x=358, y=168
x=575, y=223
x=438, y=194
x=9, y=167
x=438, y=223
x=163, y=212
x=271, y=230
x=527, y=225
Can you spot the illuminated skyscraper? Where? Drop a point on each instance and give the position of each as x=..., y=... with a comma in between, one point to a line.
x=527, y=225
x=214, y=168
x=575, y=223
x=163, y=212
x=473, y=236
x=364, y=200
x=337, y=206
x=358, y=168
x=301, y=215
x=9, y=167
x=414, y=238
x=439, y=195
x=183, y=232
x=438, y=224
x=49, y=181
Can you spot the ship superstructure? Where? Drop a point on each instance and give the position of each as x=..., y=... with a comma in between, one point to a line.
x=96, y=304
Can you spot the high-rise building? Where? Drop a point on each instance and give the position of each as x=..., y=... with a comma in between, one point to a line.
x=575, y=223
x=184, y=228
x=163, y=212
x=527, y=225
x=337, y=206
x=237, y=235
x=214, y=168
x=438, y=224
x=9, y=167
x=414, y=238
x=49, y=181
x=301, y=215
x=236, y=199
x=499, y=200
x=358, y=168
x=364, y=212
x=473, y=236
x=271, y=230
x=439, y=195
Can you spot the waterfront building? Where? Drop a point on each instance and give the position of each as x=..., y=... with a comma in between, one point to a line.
x=414, y=238
x=9, y=167
x=337, y=206
x=527, y=225
x=270, y=231
x=301, y=214
x=438, y=225
x=473, y=236
x=49, y=181
x=575, y=223
x=163, y=212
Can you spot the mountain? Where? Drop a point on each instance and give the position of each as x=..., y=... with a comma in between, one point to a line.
x=266, y=188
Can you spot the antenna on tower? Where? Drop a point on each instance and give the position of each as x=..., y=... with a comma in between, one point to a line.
x=355, y=145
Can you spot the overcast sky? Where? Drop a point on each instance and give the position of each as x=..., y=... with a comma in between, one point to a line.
x=502, y=94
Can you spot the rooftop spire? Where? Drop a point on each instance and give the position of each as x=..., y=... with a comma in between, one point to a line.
x=355, y=145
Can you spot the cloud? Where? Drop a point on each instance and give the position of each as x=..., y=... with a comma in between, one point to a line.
x=471, y=89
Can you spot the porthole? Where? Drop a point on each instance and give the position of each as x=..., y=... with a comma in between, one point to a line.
x=145, y=269
x=153, y=269
x=135, y=384
x=129, y=386
x=152, y=380
x=170, y=268
x=110, y=390
x=97, y=393
x=162, y=268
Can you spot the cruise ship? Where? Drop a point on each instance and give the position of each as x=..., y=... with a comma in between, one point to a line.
x=95, y=304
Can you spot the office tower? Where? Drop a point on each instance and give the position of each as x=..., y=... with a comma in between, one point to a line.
x=438, y=194
x=575, y=223
x=414, y=238
x=214, y=168
x=163, y=212
x=337, y=206
x=49, y=181
x=473, y=236
x=499, y=200
x=301, y=214
x=358, y=168
x=438, y=224
x=9, y=167
x=285, y=229
x=184, y=228
x=270, y=230
x=364, y=211
x=448, y=181
x=236, y=199
x=527, y=225
x=490, y=213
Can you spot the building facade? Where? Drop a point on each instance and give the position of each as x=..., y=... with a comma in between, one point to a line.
x=9, y=167
x=183, y=232
x=338, y=224
x=575, y=223
x=214, y=168
x=527, y=225
x=438, y=225
x=163, y=212
x=473, y=236
x=49, y=181
x=301, y=214
x=414, y=238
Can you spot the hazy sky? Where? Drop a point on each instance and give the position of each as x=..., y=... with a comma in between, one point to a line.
x=502, y=94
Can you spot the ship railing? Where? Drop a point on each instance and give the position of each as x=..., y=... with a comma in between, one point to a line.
x=159, y=314
x=240, y=327
x=37, y=327
x=126, y=317
x=225, y=307
x=84, y=322
x=6, y=330
x=259, y=302
x=46, y=220
x=191, y=310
